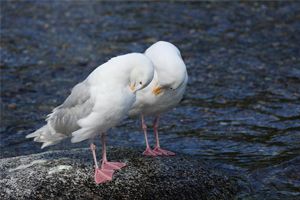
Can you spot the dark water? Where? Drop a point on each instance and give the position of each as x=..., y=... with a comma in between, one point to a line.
x=242, y=106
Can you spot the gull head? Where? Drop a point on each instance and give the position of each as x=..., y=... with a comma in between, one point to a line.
x=169, y=66
x=142, y=72
x=172, y=79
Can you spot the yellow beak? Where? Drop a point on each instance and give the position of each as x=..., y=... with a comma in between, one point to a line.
x=132, y=87
x=157, y=90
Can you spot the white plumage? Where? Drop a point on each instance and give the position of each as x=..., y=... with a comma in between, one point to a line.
x=99, y=102
x=165, y=90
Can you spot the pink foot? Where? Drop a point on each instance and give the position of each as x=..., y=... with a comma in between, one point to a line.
x=103, y=175
x=149, y=152
x=112, y=165
x=163, y=152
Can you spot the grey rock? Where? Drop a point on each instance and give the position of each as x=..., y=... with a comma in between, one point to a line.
x=69, y=175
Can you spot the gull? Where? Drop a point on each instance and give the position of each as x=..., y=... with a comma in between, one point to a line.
x=163, y=93
x=97, y=104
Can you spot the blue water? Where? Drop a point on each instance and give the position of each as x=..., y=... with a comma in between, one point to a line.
x=241, y=110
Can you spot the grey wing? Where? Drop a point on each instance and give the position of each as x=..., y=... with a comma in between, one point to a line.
x=79, y=94
x=63, y=119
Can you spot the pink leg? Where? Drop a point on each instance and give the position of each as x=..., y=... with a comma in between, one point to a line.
x=148, y=151
x=157, y=149
x=101, y=175
x=109, y=165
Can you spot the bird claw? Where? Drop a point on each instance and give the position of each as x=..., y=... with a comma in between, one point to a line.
x=103, y=175
x=149, y=152
x=163, y=152
x=113, y=165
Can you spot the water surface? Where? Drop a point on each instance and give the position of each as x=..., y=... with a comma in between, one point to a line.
x=241, y=110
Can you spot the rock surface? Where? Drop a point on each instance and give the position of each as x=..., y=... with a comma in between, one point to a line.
x=69, y=175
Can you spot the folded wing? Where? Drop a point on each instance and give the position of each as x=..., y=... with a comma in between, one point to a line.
x=63, y=119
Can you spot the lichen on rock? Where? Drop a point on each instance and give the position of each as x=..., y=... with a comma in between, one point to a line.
x=69, y=175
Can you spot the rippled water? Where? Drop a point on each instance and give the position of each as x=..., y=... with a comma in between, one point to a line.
x=242, y=106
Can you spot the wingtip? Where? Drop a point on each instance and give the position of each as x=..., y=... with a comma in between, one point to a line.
x=31, y=135
x=74, y=139
x=45, y=144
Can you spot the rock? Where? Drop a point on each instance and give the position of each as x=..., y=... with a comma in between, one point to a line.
x=69, y=175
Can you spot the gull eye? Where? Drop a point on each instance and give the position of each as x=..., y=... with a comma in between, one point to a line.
x=141, y=82
x=171, y=88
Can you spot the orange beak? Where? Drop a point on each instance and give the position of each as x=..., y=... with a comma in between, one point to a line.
x=132, y=87
x=157, y=90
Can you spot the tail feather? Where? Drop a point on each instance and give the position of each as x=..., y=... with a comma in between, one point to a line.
x=82, y=134
x=46, y=144
x=36, y=133
x=46, y=135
